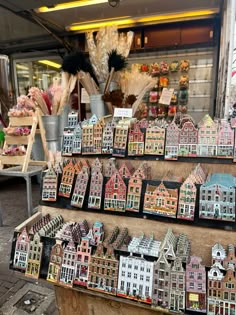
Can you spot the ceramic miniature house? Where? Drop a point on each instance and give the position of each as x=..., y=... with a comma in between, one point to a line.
x=49, y=188
x=172, y=142
x=88, y=135
x=230, y=259
x=67, y=141
x=225, y=145
x=34, y=257
x=72, y=119
x=161, y=281
x=83, y=254
x=144, y=246
x=54, y=268
x=77, y=140
x=120, y=140
x=115, y=193
x=135, y=278
x=234, y=156
x=188, y=139
x=196, y=285
x=217, y=198
x=107, y=139
x=160, y=200
x=68, y=265
x=218, y=254
x=207, y=137
x=97, y=137
x=69, y=232
x=21, y=251
x=95, y=192
x=67, y=180
x=155, y=140
x=110, y=167
x=187, y=200
x=126, y=169
x=135, y=141
x=98, y=232
x=81, y=184
x=177, y=286
x=103, y=271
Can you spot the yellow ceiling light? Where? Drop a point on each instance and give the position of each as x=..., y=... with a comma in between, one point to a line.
x=21, y=67
x=69, y=5
x=50, y=63
x=128, y=21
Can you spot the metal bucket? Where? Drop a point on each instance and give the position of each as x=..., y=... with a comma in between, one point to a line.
x=97, y=106
x=51, y=126
x=113, y=86
x=63, y=122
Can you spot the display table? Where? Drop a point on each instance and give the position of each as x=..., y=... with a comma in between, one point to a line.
x=16, y=172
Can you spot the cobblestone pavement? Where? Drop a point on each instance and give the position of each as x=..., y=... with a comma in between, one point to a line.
x=13, y=205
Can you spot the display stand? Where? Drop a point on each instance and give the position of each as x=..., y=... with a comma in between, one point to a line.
x=24, y=160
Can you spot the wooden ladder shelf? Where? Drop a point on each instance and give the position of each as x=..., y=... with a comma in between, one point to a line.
x=24, y=160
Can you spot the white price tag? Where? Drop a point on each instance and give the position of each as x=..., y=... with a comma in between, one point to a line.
x=166, y=95
x=123, y=112
x=84, y=96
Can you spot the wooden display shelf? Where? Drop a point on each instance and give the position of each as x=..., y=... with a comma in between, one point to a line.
x=21, y=121
x=12, y=160
x=19, y=140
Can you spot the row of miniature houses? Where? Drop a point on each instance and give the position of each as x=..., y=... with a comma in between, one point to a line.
x=216, y=199
x=93, y=136
x=162, y=274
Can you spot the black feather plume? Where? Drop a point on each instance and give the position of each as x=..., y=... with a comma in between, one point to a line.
x=116, y=61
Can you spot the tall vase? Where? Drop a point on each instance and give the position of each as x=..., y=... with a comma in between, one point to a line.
x=97, y=106
x=113, y=86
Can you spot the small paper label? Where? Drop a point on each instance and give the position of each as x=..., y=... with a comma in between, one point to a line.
x=166, y=95
x=123, y=112
x=84, y=96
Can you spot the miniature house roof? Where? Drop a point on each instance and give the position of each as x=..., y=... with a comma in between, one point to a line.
x=218, y=252
x=93, y=120
x=96, y=164
x=51, y=173
x=215, y=272
x=126, y=169
x=69, y=166
x=207, y=121
x=220, y=179
x=195, y=260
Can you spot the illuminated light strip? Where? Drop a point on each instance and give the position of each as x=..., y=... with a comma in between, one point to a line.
x=69, y=5
x=50, y=63
x=138, y=20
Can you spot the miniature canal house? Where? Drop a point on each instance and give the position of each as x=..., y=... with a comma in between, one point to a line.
x=126, y=169
x=34, y=257
x=80, y=189
x=218, y=254
x=110, y=167
x=188, y=139
x=103, y=271
x=54, y=268
x=72, y=119
x=107, y=138
x=115, y=193
x=120, y=140
x=177, y=286
x=172, y=142
x=135, y=140
x=207, y=137
x=230, y=259
x=50, y=182
x=155, y=140
x=196, y=285
x=21, y=251
x=68, y=265
x=217, y=198
x=67, y=141
x=225, y=145
x=97, y=136
x=96, y=185
x=135, y=278
x=144, y=245
x=88, y=135
x=83, y=254
x=77, y=140
x=187, y=199
x=67, y=180
x=160, y=200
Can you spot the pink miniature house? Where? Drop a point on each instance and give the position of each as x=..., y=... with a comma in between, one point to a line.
x=54, y=268
x=115, y=193
x=110, y=167
x=21, y=251
x=126, y=169
x=81, y=184
x=50, y=182
x=96, y=185
x=67, y=180
x=207, y=137
x=83, y=254
x=225, y=140
x=160, y=200
x=135, y=141
x=188, y=139
x=187, y=200
x=172, y=142
x=155, y=140
x=196, y=285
